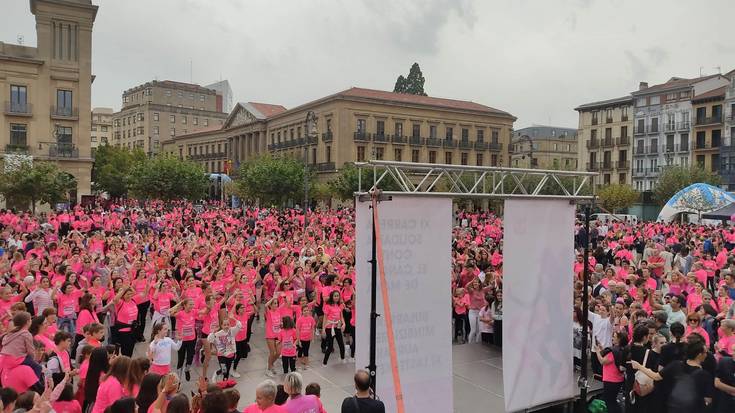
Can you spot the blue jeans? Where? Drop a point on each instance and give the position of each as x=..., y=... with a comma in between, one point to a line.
x=69, y=322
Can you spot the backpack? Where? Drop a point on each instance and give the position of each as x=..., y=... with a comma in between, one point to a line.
x=683, y=393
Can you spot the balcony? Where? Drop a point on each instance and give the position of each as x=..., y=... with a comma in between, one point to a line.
x=653, y=149
x=622, y=141
x=495, y=146
x=683, y=126
x=708, y=120
x=702, y=145
x=18, y=109
x=683, y=147
x=361, y=136
x=449, y=143
x=653, y=130
x=593, y=144
x=593, y=166
x=606, y=166
x=730, y=116
x=624, y=118
x=433, y=142
x=608, y=120
x=415, y=141
x=63, y=150
x=639, y=172
x=639, y=131
x=327, y=137
x=399, y=139
x=595, y=121
x=481, y=146
x=17, y=148
x=325, y=167
x=624, y=164
x=608, y=142
x=670, y=127
x=465, y=144
x=380, y=138
x=311, y=140
x=64, y=113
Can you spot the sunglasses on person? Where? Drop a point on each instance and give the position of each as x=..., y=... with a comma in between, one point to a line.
x=693, y=320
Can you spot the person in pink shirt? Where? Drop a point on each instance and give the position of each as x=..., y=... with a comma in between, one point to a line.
x=724, y=346
x=333, y=326
x=694, y=325
x=461, y=305
x=242, y=348
x=305, y=325
x=114, y=385
x=186, y=332
x=265, y=399
x=272, y=331
x=297, y=402
x=287, y=339
x=126, y=314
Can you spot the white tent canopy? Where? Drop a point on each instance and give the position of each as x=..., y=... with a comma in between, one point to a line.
x=697, y=199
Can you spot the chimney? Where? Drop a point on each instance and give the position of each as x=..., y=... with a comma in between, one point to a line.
x=643, y=85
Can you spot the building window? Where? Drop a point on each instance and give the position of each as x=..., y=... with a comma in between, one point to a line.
x=168, y=93
x=448, y=158
x=201, y=98
x=432, y=131
x=624, y=114
x=63, y=135
x=196, y=121
x=18, y=134
x=206, y=122
x=18, y=99
x=479, y=159
x=173, y=132
x=480, y=135
x=397, y=154
x=379, y=153
x=416, y=130
x=155, y=130
x=415, y=155
x=104, y=128
x=432, y=156
x=361, y=126
x=172, y=118
x=183, y=120
x=493, y=160
x=360, y=153
x=179, y=93
x=140, y=117
x=640, y=102
x=329, y=125
x=450, y=134
x=291, y=133
x=328, y=153
x=463, y=158
x=465, y=134
x=655, y=100
x=380, y=128
x=64, y=102
x=399, y=128
x=494, y=136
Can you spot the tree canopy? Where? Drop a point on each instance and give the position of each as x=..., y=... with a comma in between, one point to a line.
x=412, y=84
x=272, y=180
x=168, y=177
x=346, y=183
x=112, y=168
x=617, y=196
x=32, y=182
x=675, y=178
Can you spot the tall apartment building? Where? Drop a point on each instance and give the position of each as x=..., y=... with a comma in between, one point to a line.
x=47, y=90
x=662, y=125
x=727, y=151
x=707, y=128
x=357, y=125
x=160, y=110
x=604, y=137
x=224, y=95
x=101, y=133
x=544, y=147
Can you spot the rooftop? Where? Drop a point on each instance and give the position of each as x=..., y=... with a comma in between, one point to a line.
x=673, y=83
x=714, y=93
x=545, y=132
x=605, y=103
x=263, y=110
x=172, y=84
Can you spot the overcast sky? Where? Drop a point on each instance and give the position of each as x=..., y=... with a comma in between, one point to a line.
x=534, y=59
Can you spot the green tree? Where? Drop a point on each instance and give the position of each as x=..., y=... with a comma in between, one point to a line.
x=112, y=169
x=36, y=182
x=675, y=178
x=346, y=183
x=167, y=177
x=272, y=180
x=412, y=84
x=618, y=196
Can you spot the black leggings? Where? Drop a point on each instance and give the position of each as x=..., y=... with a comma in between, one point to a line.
x=186, y=352
x=142, y=316
x=330, y=343
x=250, y=328
x=127, y=340
x=241, y=351
x=461, y=325
x=610, y=392
x=289, y=363
x=304, y=348
x=498, y=332
x=225, y=365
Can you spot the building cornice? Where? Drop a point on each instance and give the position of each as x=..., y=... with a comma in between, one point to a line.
x=19, y=59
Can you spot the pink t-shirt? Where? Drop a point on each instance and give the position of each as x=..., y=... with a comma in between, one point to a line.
x=288, y=342
x=109, y=391
x=272, y=324
x=303, y=403
x=127, y=312
x=71, y=406
x=332, y=315
x=610, y=372
x=19, y=378
x=185, y=325
x=305, y=327
x=85, y=317
x=253, y=408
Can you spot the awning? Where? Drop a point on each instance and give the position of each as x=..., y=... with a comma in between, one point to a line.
x=723, y=213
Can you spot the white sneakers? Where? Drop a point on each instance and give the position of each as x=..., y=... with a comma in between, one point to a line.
x=235, y=374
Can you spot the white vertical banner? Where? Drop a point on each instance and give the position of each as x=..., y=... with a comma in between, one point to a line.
x=538, y=251
x=416, y=234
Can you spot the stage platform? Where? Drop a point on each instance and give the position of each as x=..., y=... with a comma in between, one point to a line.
x=478, y=376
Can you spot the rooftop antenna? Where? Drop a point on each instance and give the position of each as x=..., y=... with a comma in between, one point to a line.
x=21, y=39
x=191, y=71
x=700, y=70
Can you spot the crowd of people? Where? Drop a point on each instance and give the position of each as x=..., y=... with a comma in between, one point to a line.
x=188, y=285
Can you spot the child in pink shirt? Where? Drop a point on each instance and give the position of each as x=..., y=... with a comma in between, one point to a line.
x=305, y=328
x=17, y=345
x=288, y=338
